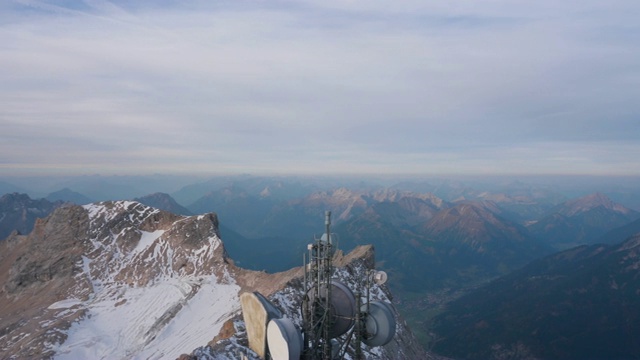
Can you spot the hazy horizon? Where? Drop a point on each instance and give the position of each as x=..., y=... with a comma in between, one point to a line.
x=42, y=185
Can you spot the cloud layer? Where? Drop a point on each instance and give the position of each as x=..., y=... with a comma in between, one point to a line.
x=298, y=87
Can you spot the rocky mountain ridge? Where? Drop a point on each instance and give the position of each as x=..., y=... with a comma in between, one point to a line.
x=581, y=303
x=460, y=244
x=121, y=279
x=18, y=212
x=589, y=202
x=164, y=202
x=581, y=221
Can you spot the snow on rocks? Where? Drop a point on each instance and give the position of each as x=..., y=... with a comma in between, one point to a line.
x=158, y=284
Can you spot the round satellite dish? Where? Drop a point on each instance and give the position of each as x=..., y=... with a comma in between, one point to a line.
x=284, y=340
x=342, y=307
x=380, y=323
x=380, y=277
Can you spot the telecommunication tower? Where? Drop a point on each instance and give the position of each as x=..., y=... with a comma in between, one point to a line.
x=333, y=317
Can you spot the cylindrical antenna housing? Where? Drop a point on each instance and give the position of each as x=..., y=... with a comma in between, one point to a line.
x=327, y=223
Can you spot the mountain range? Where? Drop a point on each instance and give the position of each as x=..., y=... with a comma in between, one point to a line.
x=460, y=242
x=581, y=221
x=457, y=245
x=435, y=245
x=125, y=280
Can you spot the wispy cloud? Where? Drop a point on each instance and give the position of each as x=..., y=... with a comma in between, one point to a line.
x=490, y=86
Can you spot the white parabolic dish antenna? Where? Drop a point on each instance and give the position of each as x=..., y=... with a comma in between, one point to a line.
x=284, y=340
x=380, y=277
x=380, y=323
x=343, y=307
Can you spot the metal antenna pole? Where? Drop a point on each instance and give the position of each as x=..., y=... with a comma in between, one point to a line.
x=305, y=308
x=327, y=281
x=358, y=327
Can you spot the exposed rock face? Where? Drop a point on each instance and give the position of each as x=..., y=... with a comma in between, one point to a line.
x=18, y=212
x=121, y=279
x=52, y=250
x=36, y=271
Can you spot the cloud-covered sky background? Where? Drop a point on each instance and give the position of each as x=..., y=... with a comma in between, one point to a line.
x=433, y=87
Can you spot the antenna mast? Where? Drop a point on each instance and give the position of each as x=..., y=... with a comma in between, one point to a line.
x=328, y=271
x=330, y=312
x=317, y=302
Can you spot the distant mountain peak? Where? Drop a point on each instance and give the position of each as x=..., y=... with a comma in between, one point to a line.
x=19, y=212
x=15, y=197
x=472, y=221
x=582, y=221
x=266, y=192
x=592, y=201
x=343, y=201
x=344, y=193
x=164, y=202
x=69, y=195
x=396, y=195
x=469, y=209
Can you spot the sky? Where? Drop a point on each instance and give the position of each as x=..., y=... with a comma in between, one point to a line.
x=303, y=87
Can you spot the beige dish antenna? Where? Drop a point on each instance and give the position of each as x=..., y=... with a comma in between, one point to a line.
x=380, y=277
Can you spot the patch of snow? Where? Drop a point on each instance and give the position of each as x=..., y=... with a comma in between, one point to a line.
x=93, y=209
x=96, y=285
x=197, y=323
x=158, y=321
x=146, y=240
x=65, y=304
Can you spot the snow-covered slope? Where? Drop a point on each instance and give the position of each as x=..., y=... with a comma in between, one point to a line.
x=138, y=283
x=162, y=320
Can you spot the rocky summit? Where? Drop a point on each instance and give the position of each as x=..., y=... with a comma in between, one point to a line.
x=125, y=280
x=18, y=212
